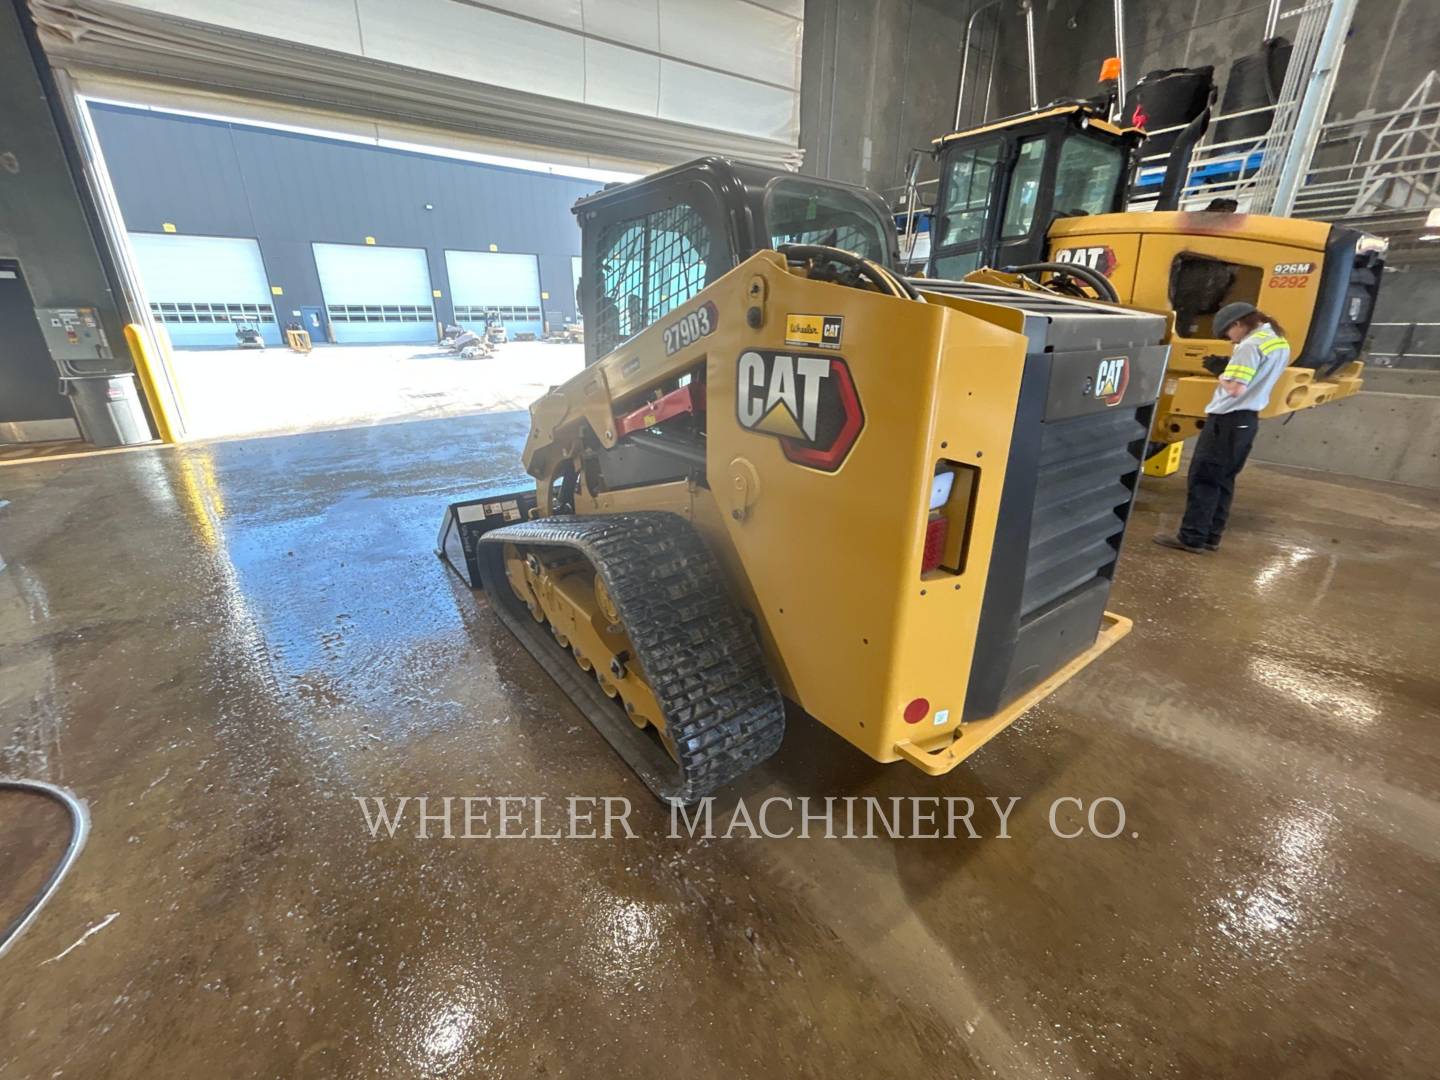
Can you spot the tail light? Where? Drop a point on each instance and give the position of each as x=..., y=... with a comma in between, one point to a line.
x=947, y=527
x=935, y=530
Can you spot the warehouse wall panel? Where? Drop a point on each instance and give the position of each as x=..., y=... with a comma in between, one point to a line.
x=208, y=177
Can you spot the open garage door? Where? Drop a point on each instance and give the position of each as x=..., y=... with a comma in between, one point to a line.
x=201, y=287
x=610, y=84
x=375, y=293
x=505, y=283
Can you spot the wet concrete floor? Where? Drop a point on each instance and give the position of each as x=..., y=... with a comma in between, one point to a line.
x=219, y=647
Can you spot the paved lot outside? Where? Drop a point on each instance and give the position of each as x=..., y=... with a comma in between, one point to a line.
x=229, y=392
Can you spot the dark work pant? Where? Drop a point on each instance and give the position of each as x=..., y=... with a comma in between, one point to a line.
x=1220, y=454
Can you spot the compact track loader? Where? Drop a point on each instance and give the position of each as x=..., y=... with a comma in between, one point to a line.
x=1038, y=189
x=787, y=472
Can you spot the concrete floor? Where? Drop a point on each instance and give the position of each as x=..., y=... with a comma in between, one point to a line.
x=220, y=646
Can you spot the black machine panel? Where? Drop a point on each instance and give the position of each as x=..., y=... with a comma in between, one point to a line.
x=1092, y=374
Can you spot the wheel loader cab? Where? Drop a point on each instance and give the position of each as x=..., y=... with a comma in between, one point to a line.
x=649, y=246
x=1003, y=185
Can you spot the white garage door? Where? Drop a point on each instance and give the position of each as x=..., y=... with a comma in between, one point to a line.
x=502, y=282
x=200, y=287
x=376, y=293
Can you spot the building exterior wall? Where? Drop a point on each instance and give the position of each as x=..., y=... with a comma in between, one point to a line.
x=1391, y=46
x=880, y=76
x=288, y=190
x=878, y=79
x=43, y=227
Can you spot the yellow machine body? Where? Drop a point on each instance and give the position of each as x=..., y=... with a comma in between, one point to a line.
x=829, y=562
x=1279, y=263
x=788, y=473
x=1052, y=186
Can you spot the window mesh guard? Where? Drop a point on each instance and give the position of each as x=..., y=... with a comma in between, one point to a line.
x=648, y=266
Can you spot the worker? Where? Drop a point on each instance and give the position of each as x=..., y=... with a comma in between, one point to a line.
x=1231, y=418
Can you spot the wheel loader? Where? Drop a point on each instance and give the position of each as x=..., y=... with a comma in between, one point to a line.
x=1049, y=187
x=786, y=472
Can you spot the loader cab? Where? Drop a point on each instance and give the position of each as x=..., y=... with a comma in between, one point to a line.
x=650, y=245
x=1003, y=185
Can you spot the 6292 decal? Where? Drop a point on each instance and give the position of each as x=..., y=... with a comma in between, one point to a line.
x=690, y=328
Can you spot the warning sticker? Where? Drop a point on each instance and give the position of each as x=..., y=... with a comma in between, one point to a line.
x=822, y=331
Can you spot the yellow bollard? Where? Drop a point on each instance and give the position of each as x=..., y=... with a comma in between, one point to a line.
x=1164, y=462
x=149, y=370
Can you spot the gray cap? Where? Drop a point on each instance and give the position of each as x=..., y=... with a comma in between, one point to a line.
x=1231, y=313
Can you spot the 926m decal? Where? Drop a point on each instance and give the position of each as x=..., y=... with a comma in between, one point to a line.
x=690, y=328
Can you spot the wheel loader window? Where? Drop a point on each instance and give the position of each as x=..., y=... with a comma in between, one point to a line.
x=968, y=182
x=798, y=211
x=1087, y=178
x=648, y=265
x=1024, y=189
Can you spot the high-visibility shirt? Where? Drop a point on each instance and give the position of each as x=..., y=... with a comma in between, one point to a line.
x=1257, y=362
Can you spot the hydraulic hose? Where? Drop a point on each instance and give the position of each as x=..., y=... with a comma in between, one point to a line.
x=878, y=275
x=79, y=831
x=1096, y=280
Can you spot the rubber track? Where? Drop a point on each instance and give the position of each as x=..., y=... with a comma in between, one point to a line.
x=695, y=646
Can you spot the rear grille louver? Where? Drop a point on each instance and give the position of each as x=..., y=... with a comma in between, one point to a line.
x=1087, y=472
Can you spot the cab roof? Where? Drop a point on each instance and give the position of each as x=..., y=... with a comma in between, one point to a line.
x=1084, y=115
x=728, y=175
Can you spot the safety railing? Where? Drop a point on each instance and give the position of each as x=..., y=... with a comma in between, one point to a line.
x=1392, y=167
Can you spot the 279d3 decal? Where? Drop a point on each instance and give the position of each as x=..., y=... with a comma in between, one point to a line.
x=807, y=402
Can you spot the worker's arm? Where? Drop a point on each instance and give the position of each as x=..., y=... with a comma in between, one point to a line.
x=1244, y=362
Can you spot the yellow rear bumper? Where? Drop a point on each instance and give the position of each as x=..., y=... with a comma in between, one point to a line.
x=939, y=756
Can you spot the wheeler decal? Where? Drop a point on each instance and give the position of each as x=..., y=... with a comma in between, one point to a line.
x=814, y=331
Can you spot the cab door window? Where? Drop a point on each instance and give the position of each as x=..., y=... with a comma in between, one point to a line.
x=969, y=180
x=800, y=211
x=1024, y=193
x=964, y=219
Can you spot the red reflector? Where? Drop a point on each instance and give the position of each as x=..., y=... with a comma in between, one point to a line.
x=934, y=543
x=917, y=710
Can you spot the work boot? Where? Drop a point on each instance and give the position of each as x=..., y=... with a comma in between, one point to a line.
x=1169, y=541
x=1212, y=545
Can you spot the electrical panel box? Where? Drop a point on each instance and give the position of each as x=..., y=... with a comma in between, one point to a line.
x=74, y=333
